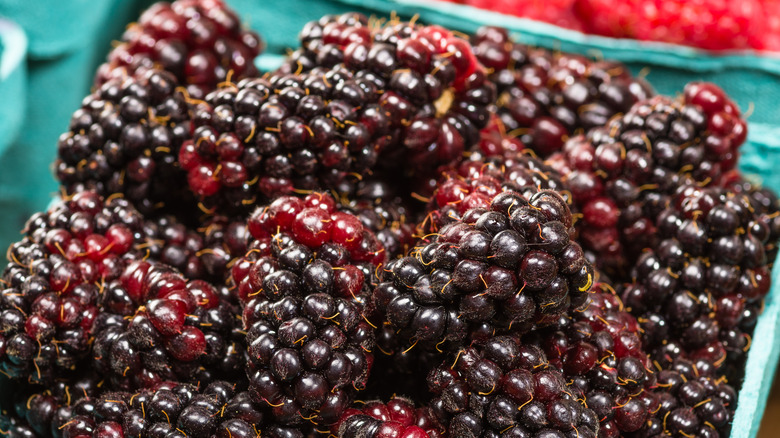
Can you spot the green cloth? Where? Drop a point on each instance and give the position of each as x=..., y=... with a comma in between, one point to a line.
x=55, y=88
x=57, y=27
x=13, y=76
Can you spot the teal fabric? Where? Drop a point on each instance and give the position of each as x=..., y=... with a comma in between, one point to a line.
x=279, y=22
x=55, y=89
x=56, y=27
x=13, y=77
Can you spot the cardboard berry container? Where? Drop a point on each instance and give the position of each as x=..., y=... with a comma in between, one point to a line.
x=751, y=79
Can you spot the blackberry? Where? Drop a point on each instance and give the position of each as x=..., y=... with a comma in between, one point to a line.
x=54, y=282
x=434, y=89
x=704, y=279
x=477, y=179
x=45, y=410
x=15, y=427
x=621, y=175
x=505, y=266
x=220, y=409
x=162, y=327
x=765, y=203
x=505, y=388
x=199, y=41
x=545, y=97
x=598, y=348
x=386, y=214
x=691, y=403
x=125, y=139
x=396, y=418
x=303, y=284
x=270, y=136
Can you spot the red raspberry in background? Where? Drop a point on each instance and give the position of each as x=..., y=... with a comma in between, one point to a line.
x=709, y=24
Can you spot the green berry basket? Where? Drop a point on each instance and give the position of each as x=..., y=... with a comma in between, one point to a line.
x=752, y=80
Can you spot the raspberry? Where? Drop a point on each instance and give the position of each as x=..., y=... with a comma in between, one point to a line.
x=199, y=41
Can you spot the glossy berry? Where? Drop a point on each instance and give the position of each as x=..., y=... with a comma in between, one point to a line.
x=396, y=418
x=303, y=285
x=201, y=42
x=506, y=266
x=125, y=140
x=435, y=91
x=505, y=386
x=546, y=97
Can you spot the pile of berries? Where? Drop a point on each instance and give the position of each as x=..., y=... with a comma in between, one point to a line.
x=707, y=24
x=395, y=235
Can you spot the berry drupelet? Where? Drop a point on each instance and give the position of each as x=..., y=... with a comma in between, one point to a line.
x=46, y=409
x=765, y=203
x=54, y=282
x=163, y=327
x=125, y=139
x=599, y=350
x=271, y=136
x=691, y=403
x=221, y=410
x=303, y=284
x=697, y=292
x=505, y=266
x=14, y=427
x=398, y=418
x=474, y=181
x=506, y=389
x=545, y=97
x=435, y=91
x=621, y=175
x=200, y=42
x=383, y=212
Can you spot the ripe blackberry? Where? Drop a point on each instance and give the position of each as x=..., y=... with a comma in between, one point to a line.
x=396, y=418
x=125, y=139
x=477, y=179
x=598, y=348
x=199, y=41
x=270, y=136
x=621, y=175
x=507, y=265
x=765, y=203
x=545, y=97
x=704, y=279
x=221, y=409
x=303, y=284
x=46, y=409
x=386, y=214
x=505, y=388
x=435, y=91
x=15, y=427
x=691, y=403
x=163, y=327
x=54, y=282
